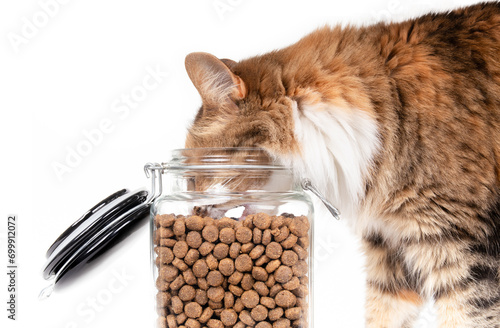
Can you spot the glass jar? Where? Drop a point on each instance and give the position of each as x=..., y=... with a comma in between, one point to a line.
x=231, y=242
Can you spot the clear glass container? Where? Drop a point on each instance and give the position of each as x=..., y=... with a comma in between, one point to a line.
x=231, y=242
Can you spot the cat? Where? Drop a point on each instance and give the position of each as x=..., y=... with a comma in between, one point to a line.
x=398, y=124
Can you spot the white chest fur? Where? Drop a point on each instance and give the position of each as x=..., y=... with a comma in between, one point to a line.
x=337, y=149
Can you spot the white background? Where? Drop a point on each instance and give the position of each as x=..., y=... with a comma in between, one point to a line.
x=63, y=74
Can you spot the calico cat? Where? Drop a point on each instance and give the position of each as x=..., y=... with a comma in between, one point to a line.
x=399, y=125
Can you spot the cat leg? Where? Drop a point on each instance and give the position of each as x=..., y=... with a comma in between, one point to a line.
x=390, y=302
x=474, y=303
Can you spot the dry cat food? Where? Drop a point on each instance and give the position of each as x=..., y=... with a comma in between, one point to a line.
x=229, y=273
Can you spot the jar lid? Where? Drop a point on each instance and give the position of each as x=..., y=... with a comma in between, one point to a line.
x=96, y=231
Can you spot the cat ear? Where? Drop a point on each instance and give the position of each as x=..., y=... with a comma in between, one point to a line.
x=213, y=79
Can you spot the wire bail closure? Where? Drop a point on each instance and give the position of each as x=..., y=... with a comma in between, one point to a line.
x=307, y=185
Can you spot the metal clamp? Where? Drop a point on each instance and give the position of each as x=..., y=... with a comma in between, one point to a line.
x=307, y=185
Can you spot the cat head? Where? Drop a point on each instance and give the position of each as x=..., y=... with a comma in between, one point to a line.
x=243, y=105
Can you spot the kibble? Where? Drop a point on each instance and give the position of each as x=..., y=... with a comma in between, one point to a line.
x=229, y=273
x=244, y=235
x=193, y=310
x=226, y=267
x=193, y=239
x=195, y=223
x=250, y=299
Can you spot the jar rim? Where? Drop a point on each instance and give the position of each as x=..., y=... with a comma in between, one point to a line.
x=222, y=158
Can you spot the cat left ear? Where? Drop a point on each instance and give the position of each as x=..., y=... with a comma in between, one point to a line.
x=213, y=79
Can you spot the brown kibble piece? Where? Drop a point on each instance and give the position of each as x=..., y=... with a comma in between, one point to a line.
x=228, y=300
x=260, y=273
x=177, y=305
x=187, y=293
x=177, y=283
x=282, y=323
x=283, y=274
x=244, y=235
x=234, y=250
x=293, y=313
x=202, y=283
x=201, y=297
x=262, y=221
x=261, y=288
x=193, y=239
x=166, y=220
x=212, y=262
x=264, y=324
x=189, y=277
x=206, y=315
x=225, y=222
x=247, y=281
x=235, y=278
x=270, y=282
x=248, y=222
x=179, y=227
x=220, y=251
x=215, y=294
x=257, y=236
x=259, y=313
x=205, y=248
x=171, y=322
x=180, y=249
x=281, y=234
x=210, y=233
x=180, y=264
x=250, y=299
x=289, y=258
x=193, y=310
x=237, y=291
x=292, y=284
x=228, y=317
x=192, y=256
x=226, y=267
x=215, y=278
x=266, y=237
x=168, y=242
x=161, y=284
x=301, y=252
x=268, y=302
x=181, y=318
x=300, y=269
x=304, y=242
x=200, y=268
x=274, y=250
x=301, y=291
x=227, y=235
x=277, y=222
x=257, y=251
x=165, y=255
x=169, y=273
x=275, y=314
x=192, y=323
x=216, y=306
x=285, y=299
x=164, y=232
x=243, y=263
x=238, y=305
x=273, y=265
x=214, y=323
x=239, y=324
x=163, y=299
x=246, y=318
x=299, y=226
x=246, y=248
x=195, y=223
x=275, y=290
x=289, y=242
x=262, y=260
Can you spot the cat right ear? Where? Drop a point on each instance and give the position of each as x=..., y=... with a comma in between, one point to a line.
x=213, y=79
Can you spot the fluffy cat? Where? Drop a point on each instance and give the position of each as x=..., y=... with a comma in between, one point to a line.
x=399, y=125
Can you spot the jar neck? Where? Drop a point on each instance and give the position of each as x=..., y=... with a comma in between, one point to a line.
x=227, y=170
